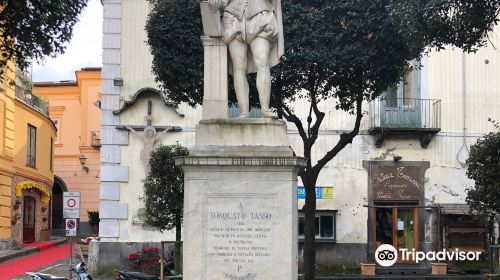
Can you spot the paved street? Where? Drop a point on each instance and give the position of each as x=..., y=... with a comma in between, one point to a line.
x=60, y=269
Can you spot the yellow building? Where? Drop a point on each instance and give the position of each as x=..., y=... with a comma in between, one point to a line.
x=26, y=164
x=74, y=108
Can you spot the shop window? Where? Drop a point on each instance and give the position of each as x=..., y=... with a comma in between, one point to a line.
x=31, y=147
x=325, y=224
x=462, y=230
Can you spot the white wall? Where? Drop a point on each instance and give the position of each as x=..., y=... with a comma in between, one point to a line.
x=445, y=180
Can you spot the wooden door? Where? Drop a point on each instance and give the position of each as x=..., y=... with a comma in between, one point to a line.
x=401, y=105
x=397, y=226
x=29, y=219
x=405, y=230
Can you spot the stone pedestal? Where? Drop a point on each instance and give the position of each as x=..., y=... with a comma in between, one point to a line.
x=240, y=202
x=215, y=78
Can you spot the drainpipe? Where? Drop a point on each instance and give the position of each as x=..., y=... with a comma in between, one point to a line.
x=463, y=153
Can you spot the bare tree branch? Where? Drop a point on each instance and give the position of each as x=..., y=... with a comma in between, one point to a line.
x=290, y=117
x=345, y=138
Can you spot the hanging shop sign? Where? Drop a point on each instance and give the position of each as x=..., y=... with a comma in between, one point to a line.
x=395, y=182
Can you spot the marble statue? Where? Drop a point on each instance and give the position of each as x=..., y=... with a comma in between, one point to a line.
x=253, y=32
x=149, y=136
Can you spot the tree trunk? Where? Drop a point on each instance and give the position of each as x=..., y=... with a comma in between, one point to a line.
x=177, y=253
x=310, y=229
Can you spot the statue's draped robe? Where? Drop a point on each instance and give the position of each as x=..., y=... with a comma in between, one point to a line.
x=245, y=12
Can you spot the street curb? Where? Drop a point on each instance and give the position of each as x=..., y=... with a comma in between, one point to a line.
x=21, y=253
x=25, y=251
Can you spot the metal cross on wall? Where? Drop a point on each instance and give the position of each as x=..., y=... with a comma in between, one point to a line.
x=149, y=117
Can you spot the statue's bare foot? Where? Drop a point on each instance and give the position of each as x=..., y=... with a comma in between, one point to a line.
x=268, y=114
x=243, y=116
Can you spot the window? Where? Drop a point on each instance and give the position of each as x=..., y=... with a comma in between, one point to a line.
x=325, y=224
x=51, y=159
x=31, y=147
x=56, y=124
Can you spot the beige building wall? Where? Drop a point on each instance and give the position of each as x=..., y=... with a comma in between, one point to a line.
x=72, y=105
x=7, y=129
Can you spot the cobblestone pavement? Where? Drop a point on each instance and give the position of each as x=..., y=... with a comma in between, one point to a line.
x=60, y=269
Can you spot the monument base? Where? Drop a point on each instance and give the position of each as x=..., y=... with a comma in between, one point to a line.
x=240, y=202
x=240, y=217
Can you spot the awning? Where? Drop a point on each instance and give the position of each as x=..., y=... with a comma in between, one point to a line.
x=455, y=209
x=45, y=197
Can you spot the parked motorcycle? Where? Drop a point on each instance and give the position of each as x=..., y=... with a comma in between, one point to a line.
x=130, y=275
x=79, y=269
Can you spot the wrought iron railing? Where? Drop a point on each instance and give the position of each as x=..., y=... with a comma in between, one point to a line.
x=95, y=138
x=33, y=101
x=405, y=113
x=234, y=111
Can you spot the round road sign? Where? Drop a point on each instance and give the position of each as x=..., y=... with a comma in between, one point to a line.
x=71, y=224
x=71, y=203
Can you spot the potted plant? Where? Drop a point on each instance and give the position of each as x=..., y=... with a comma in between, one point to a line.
x=150, y=261
x=439, y=268
x=134, y=261
x=367, y=268
x=94, y=221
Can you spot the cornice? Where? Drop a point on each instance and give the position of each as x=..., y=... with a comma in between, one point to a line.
x=144, y=91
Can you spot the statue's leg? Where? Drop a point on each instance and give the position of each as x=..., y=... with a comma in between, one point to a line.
x=238, y=52
x=260, y=51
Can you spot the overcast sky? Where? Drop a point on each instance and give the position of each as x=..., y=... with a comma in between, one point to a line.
x=84, y=50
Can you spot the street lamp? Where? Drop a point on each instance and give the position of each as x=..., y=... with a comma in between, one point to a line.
x=83, y=160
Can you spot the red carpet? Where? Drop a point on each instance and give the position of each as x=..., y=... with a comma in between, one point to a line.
x=18, y=267
x=42, y=245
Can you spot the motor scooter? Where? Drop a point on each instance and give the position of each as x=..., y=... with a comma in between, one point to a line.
x=131, y=275
x=79, y=269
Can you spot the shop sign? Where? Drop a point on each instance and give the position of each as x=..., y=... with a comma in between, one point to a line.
x=395, y=182
x=322, y=192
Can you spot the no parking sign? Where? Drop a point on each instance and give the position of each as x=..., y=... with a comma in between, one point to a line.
x=70, y=227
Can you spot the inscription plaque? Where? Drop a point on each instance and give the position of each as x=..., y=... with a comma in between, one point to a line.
x=238, y=236
x=395, y=182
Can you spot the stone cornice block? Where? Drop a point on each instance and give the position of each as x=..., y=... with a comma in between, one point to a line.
x=241, y=132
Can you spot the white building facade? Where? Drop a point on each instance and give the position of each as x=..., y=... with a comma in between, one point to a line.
x=429, y=123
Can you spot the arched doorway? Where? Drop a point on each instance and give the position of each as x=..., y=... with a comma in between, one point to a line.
x=29, y=219
x=57, y=203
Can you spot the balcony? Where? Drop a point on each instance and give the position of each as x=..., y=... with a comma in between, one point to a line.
x=405, y=117
x=95, y=139
x=33, y=101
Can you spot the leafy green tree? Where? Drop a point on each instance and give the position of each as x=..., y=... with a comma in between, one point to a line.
x=483, y=166
x=348, y=51
x=164, y=192
x=34, y=29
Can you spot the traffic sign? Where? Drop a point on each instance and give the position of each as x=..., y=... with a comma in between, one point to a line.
x=70, y=227
x=71, y=205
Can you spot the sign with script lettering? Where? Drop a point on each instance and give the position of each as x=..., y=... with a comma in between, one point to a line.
x=395, y=182
x=240, y=236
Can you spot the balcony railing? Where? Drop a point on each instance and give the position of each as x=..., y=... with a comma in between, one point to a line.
x=96, y=139
x=405, y=116
x=33, y=101
x=406, y=113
